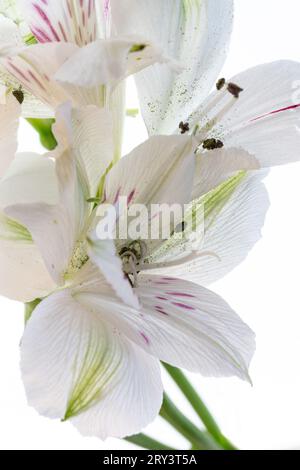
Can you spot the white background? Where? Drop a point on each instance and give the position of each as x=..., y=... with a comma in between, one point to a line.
x=264, y=290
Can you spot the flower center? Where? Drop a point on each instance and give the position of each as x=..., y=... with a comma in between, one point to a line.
x=132, y=256
x=79, y=258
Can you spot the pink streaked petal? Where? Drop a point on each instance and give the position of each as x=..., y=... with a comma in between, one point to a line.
x=181, y=294
x=184, y=306
x=33, y=67
x=62, y=21
x=276, y=111
x=106, y=8
x=265, y=118
x=201, y=333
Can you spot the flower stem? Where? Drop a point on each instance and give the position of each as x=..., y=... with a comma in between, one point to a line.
x=199, y=439
x=146, y=442
x=199, y=407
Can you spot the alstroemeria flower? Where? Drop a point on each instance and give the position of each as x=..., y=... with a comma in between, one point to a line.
x=256, y=111
x=91, y=350
x=77, y=58
x=196, y=33
x=74, y=46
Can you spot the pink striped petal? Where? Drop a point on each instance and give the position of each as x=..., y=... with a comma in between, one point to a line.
x=62, y=20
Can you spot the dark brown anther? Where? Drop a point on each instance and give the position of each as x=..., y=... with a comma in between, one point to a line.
x=212, y=144
x=19, y=95
x=184, y=126
x=220, y=84
x=234, y=89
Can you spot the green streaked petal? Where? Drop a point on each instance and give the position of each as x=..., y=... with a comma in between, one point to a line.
x=94, y=370
x=204, y=211
x=76, y=366
x=215, y=200
x=11, y=230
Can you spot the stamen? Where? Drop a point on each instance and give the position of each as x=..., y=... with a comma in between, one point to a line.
x=234, y=89
x=218, y=117
x=212, y=144
x=189, y=258
x=220, y=84
x=131, y=255
x=19, y=95
x=184, y=126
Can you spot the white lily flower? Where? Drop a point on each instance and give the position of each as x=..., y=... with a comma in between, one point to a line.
x=99, y=337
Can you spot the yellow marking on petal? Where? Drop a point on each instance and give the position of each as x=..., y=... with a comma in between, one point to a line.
x=92, y=374
x=11, y=230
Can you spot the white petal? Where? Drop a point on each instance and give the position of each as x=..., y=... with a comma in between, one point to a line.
x=191, y=327
x=108, y=62
x=11, y=27
x=92, y=144
x=51, y=231
x=9, y=30
x=23, y=274
x=9, y=124
x=265, y=118
x=216, y=166
x=195, y=33
x=203, y=334
x=33, y=178
x=183, y=324
x=62, y=222
x=75, y=366
x=235, y=215
x=33, y=67
x=158, y=174
x=31, y=106
x=61, y=20
x=161, y=170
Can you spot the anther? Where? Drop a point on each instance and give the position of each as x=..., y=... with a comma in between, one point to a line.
x=19, y=95
x=234, y=89
x=184, y=127
x=212, y=144
x=220, y=84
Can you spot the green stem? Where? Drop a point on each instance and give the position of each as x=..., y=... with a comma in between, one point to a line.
x=199, y=406
x=146, y=442
x=44, y=129
x=184, y=426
